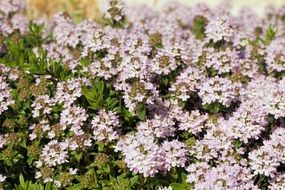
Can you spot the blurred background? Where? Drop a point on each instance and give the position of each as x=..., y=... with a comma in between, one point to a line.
x=91, y=8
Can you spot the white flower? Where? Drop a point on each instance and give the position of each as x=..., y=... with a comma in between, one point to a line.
x=2, y=178
x=38, y=175
x=57, y=183
x=164, y=188
x=73, y=171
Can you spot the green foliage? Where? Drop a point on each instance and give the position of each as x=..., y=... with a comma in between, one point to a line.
x=17, y=54
x=120, y=182
x=20, y=48
x=212, y=72
x=101, y=95
x=34, y=38
x=41, y=65
x=198, y=28
x=141, y=111
x=20, y=54
x=217, y=107
x=181, y=177
x=29, y=185
x=212, y=108
x=261, y=181
x=269, y=35
x=237, y=144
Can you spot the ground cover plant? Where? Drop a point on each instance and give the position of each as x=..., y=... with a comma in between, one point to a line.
x=177, y=98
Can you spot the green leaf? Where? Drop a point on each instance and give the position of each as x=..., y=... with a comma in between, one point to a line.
x=178, y=186
x=165, y=81
x=95, y=95
x=111, y=102
x=75, y=187
x=95, y=105
x=237, y=143
x=77, y=155
x=23, y=184
x=100, y=147
x=198, y=27
x=106, y=169
x=86, y=93
x=48, y=186
x=126, y=114
x=100, y=86
x=133, y=181
x=212, y=108
x=141, y=111
x=270, y=35
x=30, y=161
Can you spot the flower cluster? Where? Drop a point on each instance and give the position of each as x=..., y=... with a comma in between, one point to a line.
x=220, y=28
x=275, y=55
x=223, y=176
x=187, y=83
x=5, y=95
x=268, y=157
x=220, y=90
x=176, y=98
x=114, y=10
x=144, y=155
x=105, y=126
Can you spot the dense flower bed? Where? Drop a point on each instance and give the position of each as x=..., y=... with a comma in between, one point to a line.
x=180, y=98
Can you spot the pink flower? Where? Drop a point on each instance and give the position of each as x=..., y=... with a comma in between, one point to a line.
x=105, y=126
x=54, y=153
x=220, y=90
x=219, y=28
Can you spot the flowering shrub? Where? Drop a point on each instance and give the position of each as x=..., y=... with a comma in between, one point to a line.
x=180, y=98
